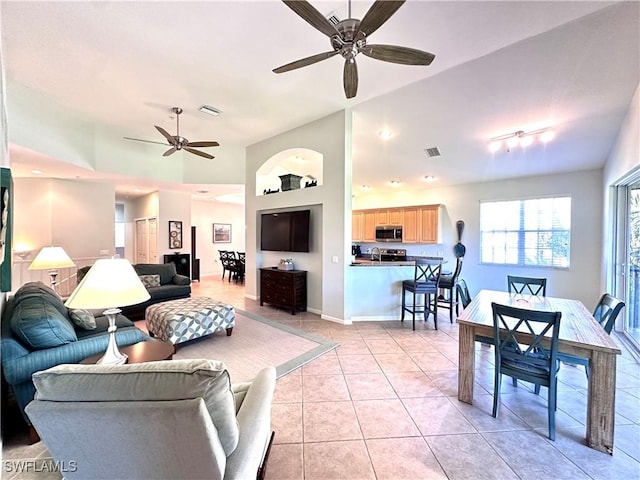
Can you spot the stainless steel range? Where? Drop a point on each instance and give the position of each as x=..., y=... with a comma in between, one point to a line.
x=393, y=254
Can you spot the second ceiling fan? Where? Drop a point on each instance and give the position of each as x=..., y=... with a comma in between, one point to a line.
x=349, y=37
x=177, y=142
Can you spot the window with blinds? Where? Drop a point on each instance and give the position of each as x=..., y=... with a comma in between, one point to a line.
x=531, y=232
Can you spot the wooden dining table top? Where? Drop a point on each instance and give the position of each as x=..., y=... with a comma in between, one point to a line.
x=578, y=327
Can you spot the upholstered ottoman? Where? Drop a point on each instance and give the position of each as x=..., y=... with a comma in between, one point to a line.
x=178, y=321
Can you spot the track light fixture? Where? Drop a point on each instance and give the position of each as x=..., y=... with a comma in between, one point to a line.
x=520, y=138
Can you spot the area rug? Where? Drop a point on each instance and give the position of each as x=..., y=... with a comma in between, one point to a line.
x=257, y=342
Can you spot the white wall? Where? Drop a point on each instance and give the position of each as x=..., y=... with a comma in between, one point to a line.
x=203, y=215
x=462, y=202
x=331, y=137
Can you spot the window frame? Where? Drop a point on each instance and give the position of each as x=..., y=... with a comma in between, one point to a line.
x=521, y=232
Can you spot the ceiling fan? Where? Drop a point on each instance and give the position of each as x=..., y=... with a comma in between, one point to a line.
x=349, y=37
x=176, y=142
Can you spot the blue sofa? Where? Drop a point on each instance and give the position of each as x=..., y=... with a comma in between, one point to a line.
x=172, y=287
x=37, y=333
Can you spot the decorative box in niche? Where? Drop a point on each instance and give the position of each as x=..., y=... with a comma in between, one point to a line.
x=285, y=264
x=290, y=182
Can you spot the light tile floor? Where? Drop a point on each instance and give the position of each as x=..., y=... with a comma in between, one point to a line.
x=383, y=405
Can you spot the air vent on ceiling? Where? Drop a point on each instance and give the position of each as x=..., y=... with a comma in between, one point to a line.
x=333, y=18
x=432, y=152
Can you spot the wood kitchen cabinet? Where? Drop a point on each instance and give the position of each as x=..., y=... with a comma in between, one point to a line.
x=430, y=222
x=369, y=226
x=410, y=225
x=382, y=217
x=357, y=225
x=396, y=216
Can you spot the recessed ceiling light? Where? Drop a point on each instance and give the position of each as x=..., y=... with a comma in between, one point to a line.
x=365, y=187
x=210, y=110
x=37, y=172
x=394, y=183
x=385, y=134
x=299, y=159
x=203, y=191
x=429, y=178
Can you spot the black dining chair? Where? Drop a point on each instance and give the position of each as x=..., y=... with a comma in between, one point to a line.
x=605, y=313
x=240, y=267
x=526, y=359
x=426, y=280
x=527, y=285
x=463, y=293
x=228, y=260
x=449, y=283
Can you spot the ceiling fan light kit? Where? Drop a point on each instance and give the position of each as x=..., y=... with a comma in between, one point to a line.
x=349, y=37
x=177, y=142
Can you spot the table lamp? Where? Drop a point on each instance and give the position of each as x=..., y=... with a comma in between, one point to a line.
x=51, y=258
x=109, y=284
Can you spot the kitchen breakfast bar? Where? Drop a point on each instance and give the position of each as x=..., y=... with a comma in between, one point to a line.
x=377, y=287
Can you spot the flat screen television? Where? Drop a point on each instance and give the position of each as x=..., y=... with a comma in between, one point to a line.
x=285, y=231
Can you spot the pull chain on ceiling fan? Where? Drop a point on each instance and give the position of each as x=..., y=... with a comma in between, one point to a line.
x=349, y=37
x=177, y=142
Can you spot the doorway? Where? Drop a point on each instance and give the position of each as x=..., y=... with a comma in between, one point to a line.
x=631, y=265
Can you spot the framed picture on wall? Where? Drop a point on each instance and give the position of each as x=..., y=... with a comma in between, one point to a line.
x=175, y=234
x=221, y=233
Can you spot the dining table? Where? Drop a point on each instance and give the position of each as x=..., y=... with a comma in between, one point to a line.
x=580, y=334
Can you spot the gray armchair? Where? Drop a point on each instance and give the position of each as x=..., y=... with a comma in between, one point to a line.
x=172, y=419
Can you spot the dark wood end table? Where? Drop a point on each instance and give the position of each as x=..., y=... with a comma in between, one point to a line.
x=140, y=352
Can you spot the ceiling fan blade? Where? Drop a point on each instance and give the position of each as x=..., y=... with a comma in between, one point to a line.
x=379, y=13
x=204, y=144
x=146, y=141
x=198, y=152
x=350, y=78
x=395, y=54
x=303, y=62
x=166, y=135
x=169, y=152
x=312, y=16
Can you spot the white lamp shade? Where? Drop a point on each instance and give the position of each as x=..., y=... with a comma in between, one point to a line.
x=110, y=283
x=51, y=258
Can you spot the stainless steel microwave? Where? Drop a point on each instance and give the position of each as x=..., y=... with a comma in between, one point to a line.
x=389, y=233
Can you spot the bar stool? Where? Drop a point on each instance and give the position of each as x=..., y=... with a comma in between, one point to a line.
x=450, y=282
x=426, y=280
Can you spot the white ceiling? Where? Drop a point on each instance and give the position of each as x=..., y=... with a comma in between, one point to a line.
x=499, y=67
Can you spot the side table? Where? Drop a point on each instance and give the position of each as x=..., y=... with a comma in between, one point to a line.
x=141, y=352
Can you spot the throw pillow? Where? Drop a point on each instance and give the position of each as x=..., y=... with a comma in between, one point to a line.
x=150, y=280
x=83, y=318
x=40, y=325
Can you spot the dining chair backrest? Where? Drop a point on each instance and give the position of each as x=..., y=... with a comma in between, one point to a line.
x=607, y=311
x=241, y=255
x=510, y=322
x=527, y=285
x=463, y=293
x=426, y=271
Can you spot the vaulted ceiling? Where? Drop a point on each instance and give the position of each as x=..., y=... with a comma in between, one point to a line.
x=500, y=67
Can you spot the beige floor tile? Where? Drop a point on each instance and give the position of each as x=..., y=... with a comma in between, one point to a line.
x=413, y=384
x=432, y=361
x=352, y=347
x=337, y=461
x=288, y=389
x=384, y=419
x=285, y=463
x=437, y=416
x=468, y=457
x=538, y=459
x=382, y=345
x=480, y=415
x=396, y=362
x=359, y=364
x=406, y=458
x=627, y=440
x=286, y=421
x=369, y=386
x=414, y=344
x=324, y=388
x=326, y=364
x=327, y=421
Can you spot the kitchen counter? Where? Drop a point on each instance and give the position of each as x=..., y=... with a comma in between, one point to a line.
x=361, y=262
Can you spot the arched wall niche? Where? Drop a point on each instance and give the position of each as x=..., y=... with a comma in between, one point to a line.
x=303, y=162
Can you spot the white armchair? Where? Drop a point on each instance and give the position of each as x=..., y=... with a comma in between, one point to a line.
x=172, y=419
